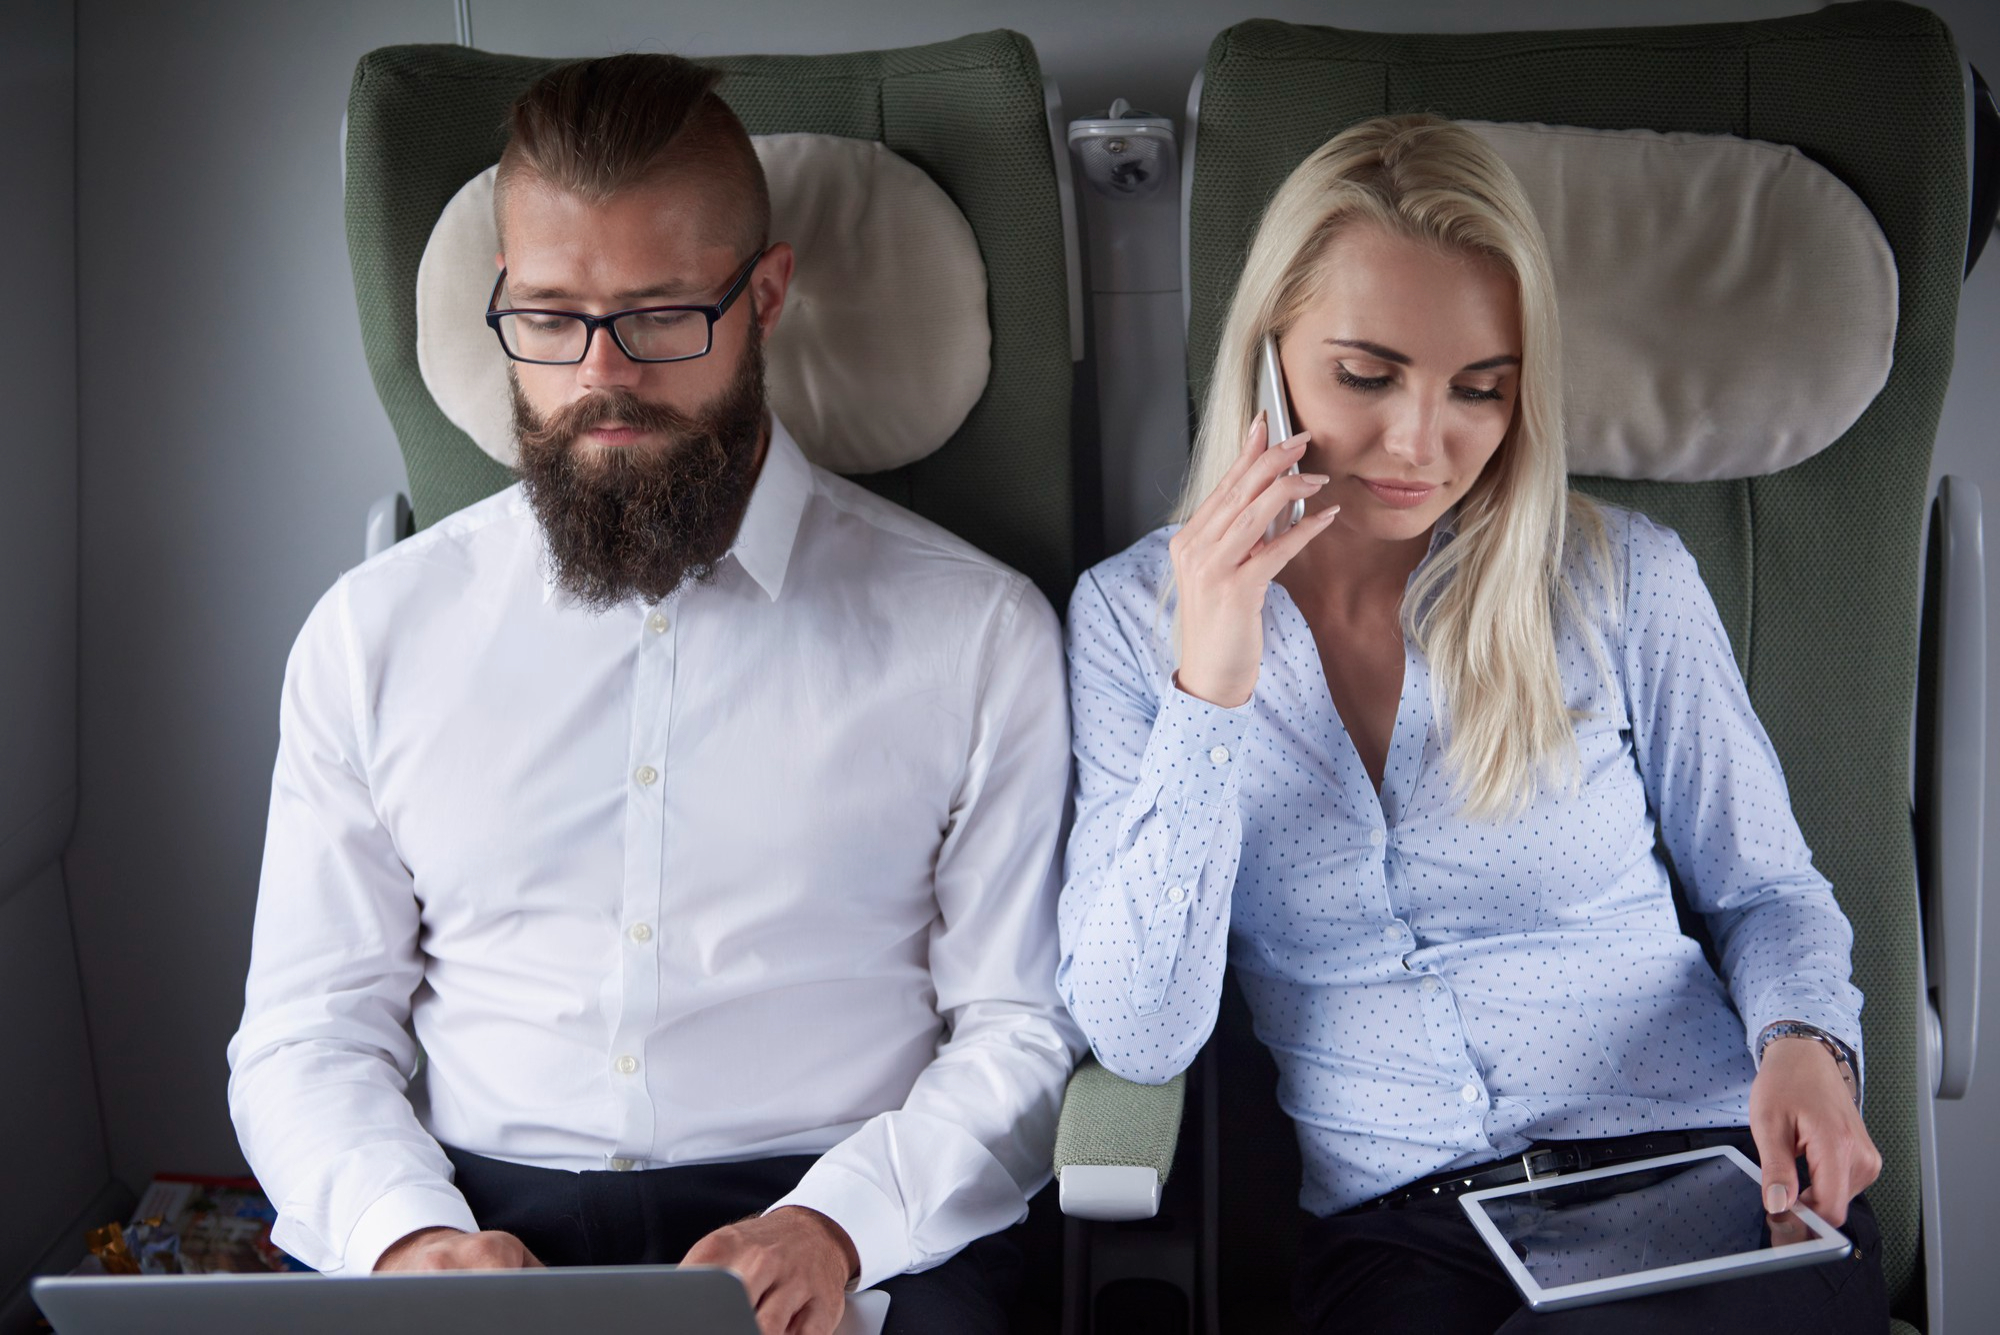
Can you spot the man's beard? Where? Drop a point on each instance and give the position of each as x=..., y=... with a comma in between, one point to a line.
x=649, y=517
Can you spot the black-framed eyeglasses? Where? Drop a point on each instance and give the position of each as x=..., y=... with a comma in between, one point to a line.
x=644, y=333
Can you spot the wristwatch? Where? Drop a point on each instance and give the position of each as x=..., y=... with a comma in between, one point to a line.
x=1843, y=1056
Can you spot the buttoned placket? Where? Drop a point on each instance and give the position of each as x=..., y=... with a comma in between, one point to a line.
x=637, y=999
x=1443, y=1024
x=1384, y=811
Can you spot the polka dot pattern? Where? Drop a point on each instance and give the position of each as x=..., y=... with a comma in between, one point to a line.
x=1440, y=991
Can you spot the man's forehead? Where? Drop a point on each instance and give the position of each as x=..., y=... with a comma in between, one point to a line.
x=650, y=242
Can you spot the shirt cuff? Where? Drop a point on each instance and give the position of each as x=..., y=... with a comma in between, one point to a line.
x=872, y=1222
x=1195, y=745
x=397, y=1215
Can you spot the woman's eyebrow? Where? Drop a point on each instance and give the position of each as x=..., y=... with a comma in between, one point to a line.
x=1373, y=350
x=1403, y=359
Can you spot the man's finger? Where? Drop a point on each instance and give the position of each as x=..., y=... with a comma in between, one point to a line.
x=818, y=1318
x=761, y=1278
x=1777, y=1146
x=778, y=1310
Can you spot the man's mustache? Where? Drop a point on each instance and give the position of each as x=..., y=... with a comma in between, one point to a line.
x=604, y=407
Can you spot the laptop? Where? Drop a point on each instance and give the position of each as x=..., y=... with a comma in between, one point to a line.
x=604, y=1300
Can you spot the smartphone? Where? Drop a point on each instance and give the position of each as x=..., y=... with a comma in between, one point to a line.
x=1276, y=404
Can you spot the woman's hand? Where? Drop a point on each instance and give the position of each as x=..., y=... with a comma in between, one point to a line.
x=1224, y=564
x=1801, y=1105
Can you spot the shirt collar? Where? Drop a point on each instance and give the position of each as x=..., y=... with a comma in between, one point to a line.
x=1442, y=534
x=770, y=527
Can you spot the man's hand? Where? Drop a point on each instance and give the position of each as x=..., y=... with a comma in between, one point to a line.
x=796, y=1264
x=450, y=1249
x=1801, y=1105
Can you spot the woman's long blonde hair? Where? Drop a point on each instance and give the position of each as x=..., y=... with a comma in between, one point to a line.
x=1483, y=611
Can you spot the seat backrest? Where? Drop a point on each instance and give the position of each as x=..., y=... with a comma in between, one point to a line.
x=422, y=120
x=1815, y=567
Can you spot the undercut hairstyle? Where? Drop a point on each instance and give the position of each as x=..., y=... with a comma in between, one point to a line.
x=598, y=128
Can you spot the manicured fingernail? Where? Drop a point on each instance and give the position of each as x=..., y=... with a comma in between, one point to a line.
x=1317, y=479
x=1326, y=515
x=1776, y=1198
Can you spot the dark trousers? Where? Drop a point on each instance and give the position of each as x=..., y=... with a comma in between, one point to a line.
x=1424, y=1269
x=652, y=1216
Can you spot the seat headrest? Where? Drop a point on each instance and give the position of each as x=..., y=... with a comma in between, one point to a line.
x=884, y=344
x=1728, y=306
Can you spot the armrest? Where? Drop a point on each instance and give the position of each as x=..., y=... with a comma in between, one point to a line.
x=1951, y=779
x=1115, y=1143
x=389, y=522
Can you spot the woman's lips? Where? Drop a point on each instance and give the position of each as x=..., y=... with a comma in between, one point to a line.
x=1401, y=495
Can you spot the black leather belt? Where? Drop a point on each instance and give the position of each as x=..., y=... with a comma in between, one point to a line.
x=1571, y=1156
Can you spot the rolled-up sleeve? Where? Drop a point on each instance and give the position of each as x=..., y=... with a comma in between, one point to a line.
x=1154, y=849
x=1713, y=778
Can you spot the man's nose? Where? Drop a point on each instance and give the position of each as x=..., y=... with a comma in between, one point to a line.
x=605, y=365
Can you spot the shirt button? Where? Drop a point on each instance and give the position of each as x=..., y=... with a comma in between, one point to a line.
x=627, y=1065
x=1470, y=1093
x=1395, y=931
x=1432, y=984
x=1375, y=837
x=657, y=623
x=1220, y=755
x=621, y=1165
x=1177, y=894
x=641, y=933
x=646, y=775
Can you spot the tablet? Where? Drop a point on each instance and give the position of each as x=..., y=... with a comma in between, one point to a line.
x=1571, y=1239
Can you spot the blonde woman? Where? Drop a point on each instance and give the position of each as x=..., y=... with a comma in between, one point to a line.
x=1401, y=767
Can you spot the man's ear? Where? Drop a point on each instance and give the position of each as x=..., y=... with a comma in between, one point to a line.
x=769, y=282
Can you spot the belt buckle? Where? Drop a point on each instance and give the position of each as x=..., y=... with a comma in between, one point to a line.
x=1551, y=1164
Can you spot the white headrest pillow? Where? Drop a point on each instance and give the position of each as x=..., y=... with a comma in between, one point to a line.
x=883, y=346
x=1728, y=306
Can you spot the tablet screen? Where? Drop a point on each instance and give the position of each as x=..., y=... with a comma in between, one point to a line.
x=1676, y=1214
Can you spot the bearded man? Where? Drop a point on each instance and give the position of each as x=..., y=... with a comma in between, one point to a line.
x=695, y=809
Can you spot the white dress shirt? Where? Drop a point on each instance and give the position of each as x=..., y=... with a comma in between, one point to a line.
x=766, y=868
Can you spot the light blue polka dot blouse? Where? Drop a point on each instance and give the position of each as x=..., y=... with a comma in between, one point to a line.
x=1440, y=991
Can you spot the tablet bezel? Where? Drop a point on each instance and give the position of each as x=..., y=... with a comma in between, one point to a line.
x=1827, y=1244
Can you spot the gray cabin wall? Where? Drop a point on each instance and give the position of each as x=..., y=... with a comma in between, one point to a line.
x=52, y=1152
